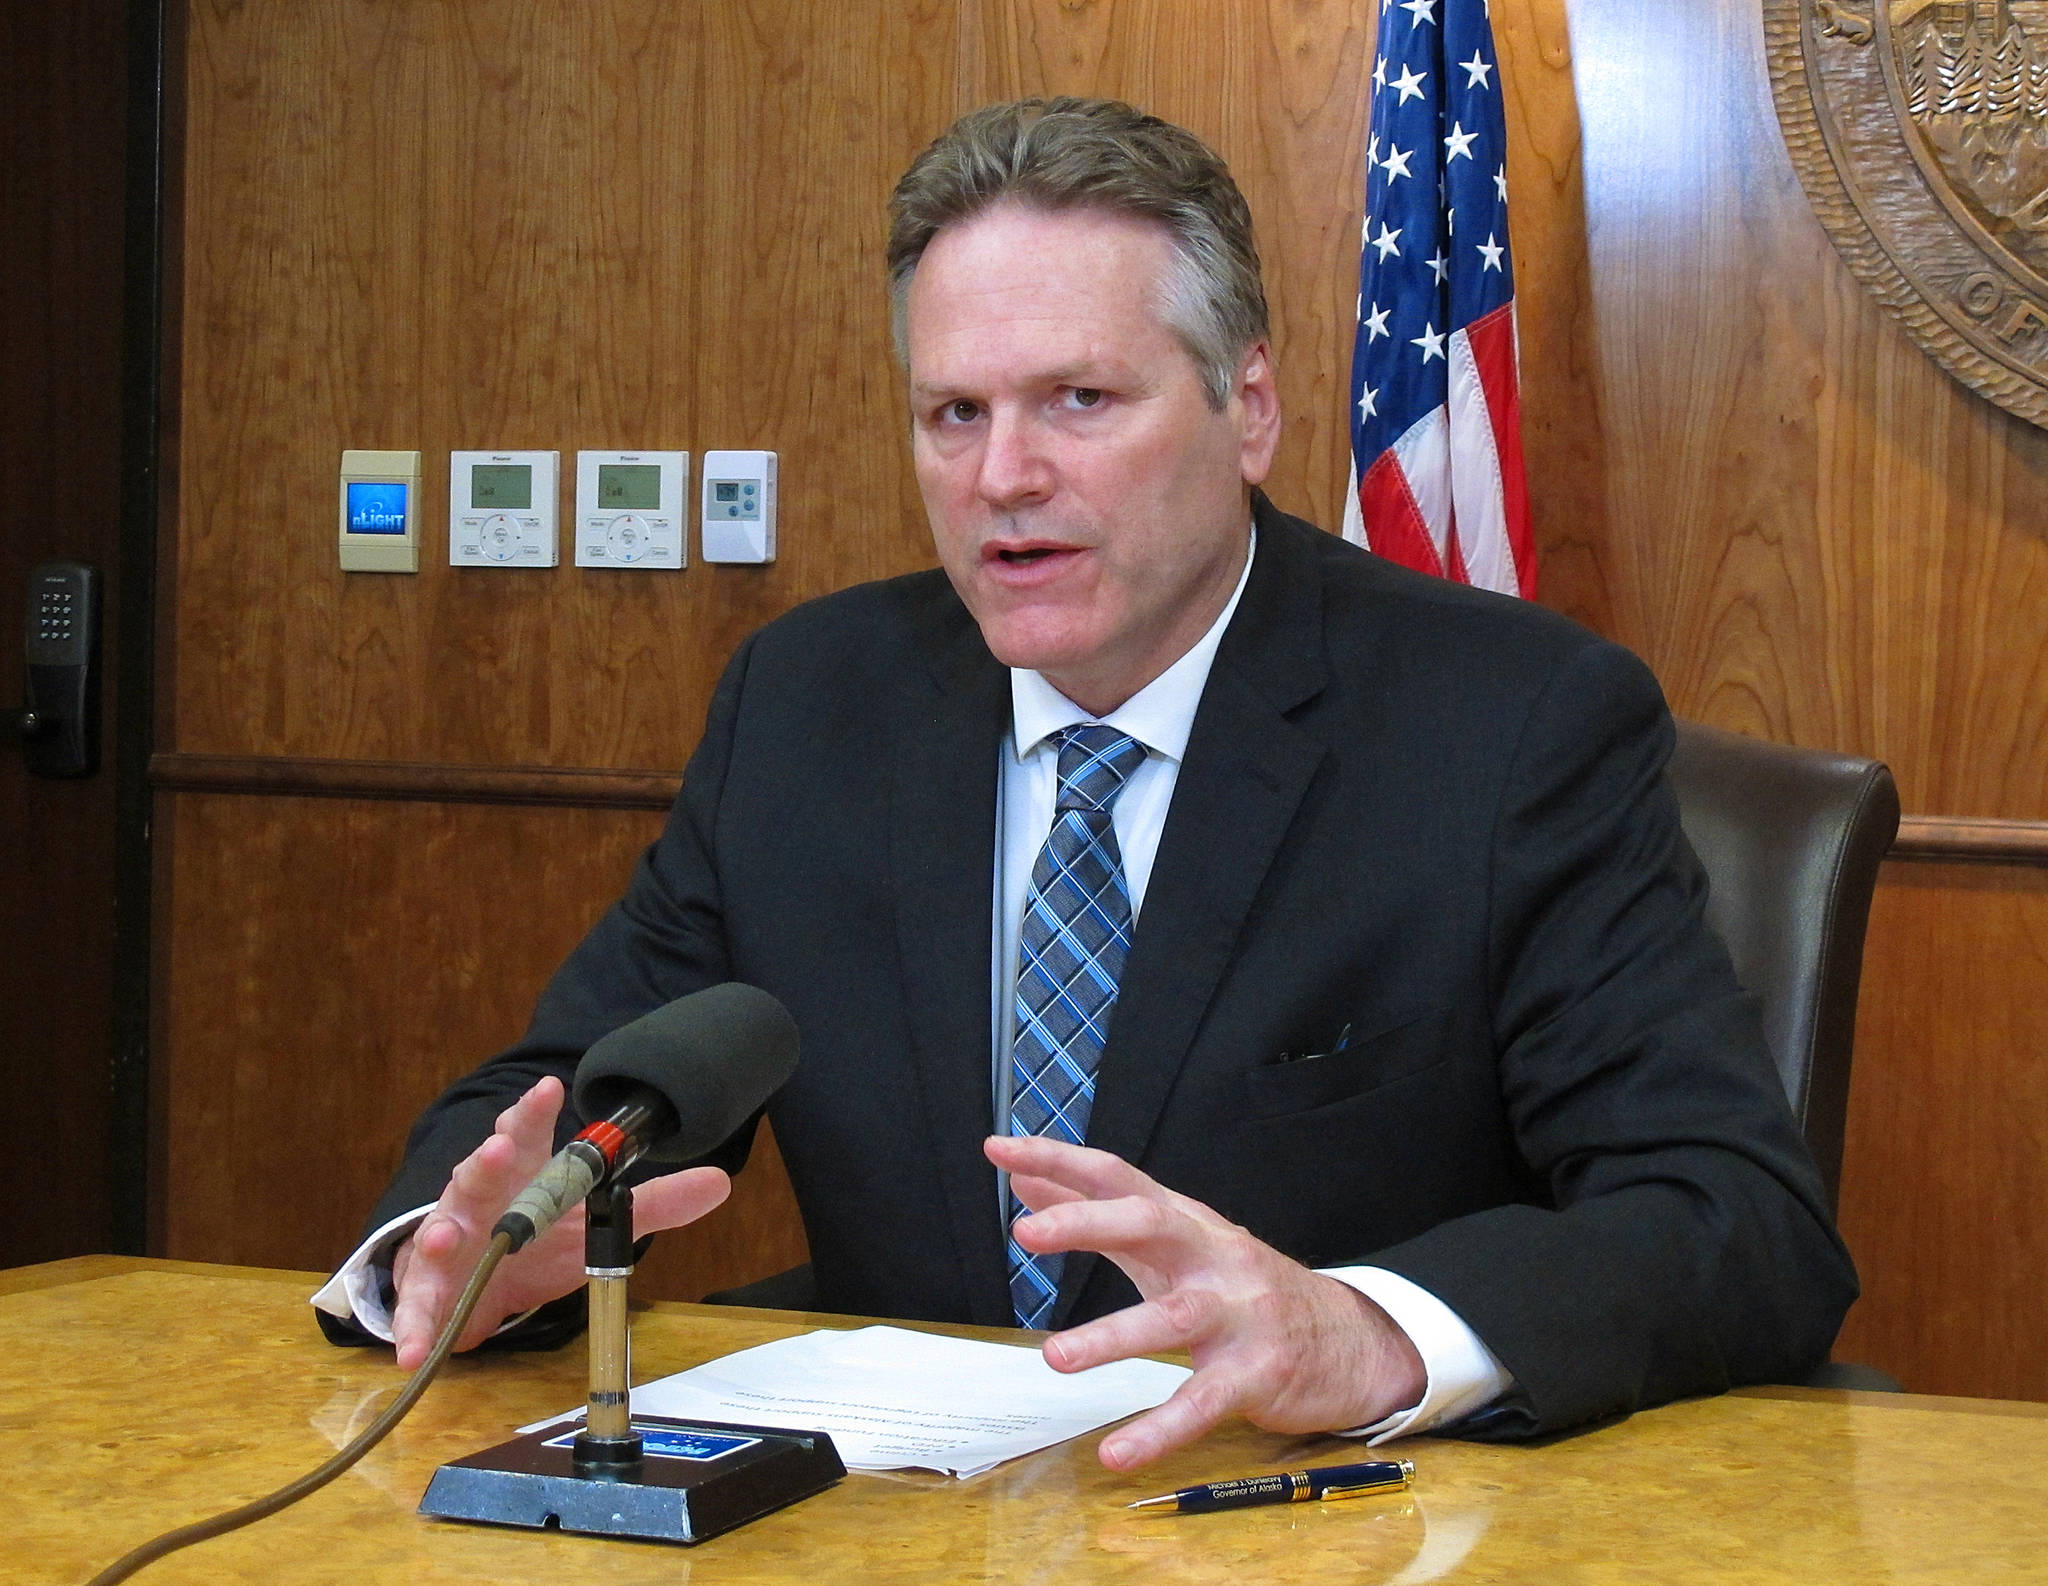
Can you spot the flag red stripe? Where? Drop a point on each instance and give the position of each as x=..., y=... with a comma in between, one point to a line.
x=1493, y=350
x=1393, y=522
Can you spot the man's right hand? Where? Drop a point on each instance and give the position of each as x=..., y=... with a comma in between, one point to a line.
x=431, y=1268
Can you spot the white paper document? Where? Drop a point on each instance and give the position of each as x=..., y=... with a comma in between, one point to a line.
x=894, y=1399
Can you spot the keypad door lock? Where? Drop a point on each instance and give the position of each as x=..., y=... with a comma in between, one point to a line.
x=59, y=719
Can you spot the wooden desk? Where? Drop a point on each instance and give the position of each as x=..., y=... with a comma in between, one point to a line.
x=137, y=1395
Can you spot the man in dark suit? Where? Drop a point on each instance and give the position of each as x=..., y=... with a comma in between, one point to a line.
x=1342, y=913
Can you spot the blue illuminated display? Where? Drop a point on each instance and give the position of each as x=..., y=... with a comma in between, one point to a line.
x=662, y=1441
x=376, y=508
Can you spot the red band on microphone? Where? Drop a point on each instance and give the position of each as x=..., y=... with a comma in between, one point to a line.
x=608, y=1137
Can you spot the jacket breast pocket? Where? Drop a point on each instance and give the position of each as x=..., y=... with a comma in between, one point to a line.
x=1412, y=1047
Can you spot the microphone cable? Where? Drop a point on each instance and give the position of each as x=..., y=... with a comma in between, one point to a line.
x=313, y=1481
x=631, y=1079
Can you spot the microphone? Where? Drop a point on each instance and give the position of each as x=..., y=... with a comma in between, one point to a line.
x=672, y=1085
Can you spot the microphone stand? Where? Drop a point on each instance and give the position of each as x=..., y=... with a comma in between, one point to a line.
x=608, y=1445
x=620, y=1474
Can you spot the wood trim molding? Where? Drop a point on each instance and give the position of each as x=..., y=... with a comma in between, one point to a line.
x=1969, y=837
x=278, y=775
x=1938, y=837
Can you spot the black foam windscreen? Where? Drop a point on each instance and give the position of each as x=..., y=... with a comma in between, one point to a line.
x=716, y=1056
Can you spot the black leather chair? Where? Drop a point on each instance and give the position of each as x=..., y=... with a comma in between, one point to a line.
x=1791, y=840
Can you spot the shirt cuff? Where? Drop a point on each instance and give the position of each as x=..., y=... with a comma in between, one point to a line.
x=359, y=1291
x=1461, y=1373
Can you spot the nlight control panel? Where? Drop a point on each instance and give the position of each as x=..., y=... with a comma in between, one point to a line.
x=380, y=512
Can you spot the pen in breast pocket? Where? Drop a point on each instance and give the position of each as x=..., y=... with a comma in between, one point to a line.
x=1343, y=1040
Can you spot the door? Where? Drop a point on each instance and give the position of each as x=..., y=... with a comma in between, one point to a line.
x=72, y=887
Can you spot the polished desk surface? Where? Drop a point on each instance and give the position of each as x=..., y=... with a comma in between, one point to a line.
x=137, y=1395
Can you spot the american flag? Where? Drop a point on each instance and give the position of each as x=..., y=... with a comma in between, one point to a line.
x=1436, y=439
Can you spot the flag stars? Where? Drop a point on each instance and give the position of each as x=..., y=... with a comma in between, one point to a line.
x=1434, y=270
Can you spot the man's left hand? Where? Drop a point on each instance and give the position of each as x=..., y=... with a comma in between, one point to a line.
x=1283, y=1346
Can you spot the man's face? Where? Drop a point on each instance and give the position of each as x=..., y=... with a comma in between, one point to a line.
x=1088, y=504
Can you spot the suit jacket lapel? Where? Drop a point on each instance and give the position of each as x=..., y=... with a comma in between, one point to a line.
x=1246, y=769
x=941, y=847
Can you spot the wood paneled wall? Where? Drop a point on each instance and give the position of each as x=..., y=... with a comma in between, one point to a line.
x=525, y=225
x=447, y=226
x=1948, y=1133
x=628, y=223
x=350, y=958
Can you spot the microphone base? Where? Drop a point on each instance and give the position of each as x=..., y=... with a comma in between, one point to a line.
x=694, y=1479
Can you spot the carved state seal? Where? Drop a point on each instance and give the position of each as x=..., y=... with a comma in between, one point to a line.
x=1920, y=131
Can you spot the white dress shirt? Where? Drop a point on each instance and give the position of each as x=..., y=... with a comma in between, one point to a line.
x=1462, y=1373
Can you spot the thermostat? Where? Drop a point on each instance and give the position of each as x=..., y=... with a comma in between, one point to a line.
x=501, y=509
x=632, y=509
x=739, y=506
x=380, y=503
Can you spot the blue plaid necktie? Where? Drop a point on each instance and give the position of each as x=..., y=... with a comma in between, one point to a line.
x=1076, y=933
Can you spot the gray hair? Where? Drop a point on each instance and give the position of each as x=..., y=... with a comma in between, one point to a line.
x=1066, y=154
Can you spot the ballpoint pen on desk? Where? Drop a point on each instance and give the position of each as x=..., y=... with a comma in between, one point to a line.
x=1290, y=1486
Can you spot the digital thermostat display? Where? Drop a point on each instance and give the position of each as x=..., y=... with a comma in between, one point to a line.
x=629, y=487
x=739, y=506
x=501, y=487
x=376, y=507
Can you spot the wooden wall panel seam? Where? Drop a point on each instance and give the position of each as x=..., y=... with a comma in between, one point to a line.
x=574, y=787
x=1933, y=837
x=1950, y=837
